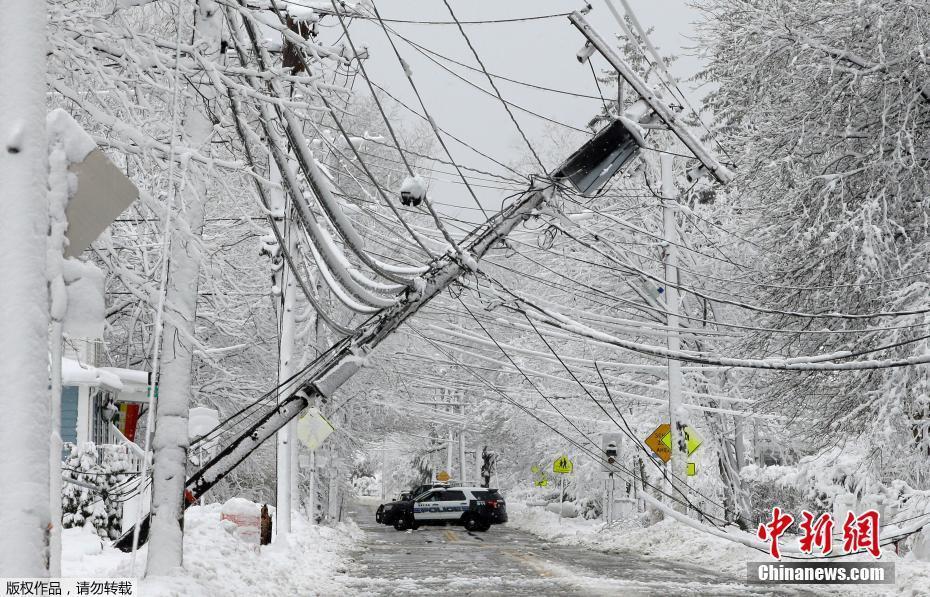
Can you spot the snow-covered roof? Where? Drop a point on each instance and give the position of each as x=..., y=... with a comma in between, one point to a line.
x=129, y=377
x=74, y=373
x=131, y=383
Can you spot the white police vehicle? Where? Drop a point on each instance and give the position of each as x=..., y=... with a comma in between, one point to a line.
x=476, y=508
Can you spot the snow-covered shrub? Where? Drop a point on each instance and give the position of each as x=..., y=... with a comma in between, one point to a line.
x=775, y=486
x=589, y=507
x=107, y=469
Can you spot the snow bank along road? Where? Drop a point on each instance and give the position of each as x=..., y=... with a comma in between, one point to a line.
x=505, y=561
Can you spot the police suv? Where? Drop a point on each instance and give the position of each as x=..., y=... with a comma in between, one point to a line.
x=476, y=508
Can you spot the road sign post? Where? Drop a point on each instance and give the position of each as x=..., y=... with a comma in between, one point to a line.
x=563, y=466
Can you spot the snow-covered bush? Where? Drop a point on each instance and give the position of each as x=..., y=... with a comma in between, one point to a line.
x=108, y=470
x=589, y=507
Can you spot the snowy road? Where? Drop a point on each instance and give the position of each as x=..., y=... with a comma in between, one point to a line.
x=505, y=561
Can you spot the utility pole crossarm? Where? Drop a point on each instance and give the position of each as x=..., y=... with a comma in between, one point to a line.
x=718, y=170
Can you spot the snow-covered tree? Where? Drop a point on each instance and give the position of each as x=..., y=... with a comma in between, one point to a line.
x=826, y=107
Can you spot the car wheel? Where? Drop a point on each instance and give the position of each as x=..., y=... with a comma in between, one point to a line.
x=471, y=522
x=401, y=523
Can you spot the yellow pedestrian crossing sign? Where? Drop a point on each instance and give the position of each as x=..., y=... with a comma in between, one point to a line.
x=562, y=465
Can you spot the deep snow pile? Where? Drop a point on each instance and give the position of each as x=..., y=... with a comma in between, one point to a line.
x=216, y=562
x=668, y=539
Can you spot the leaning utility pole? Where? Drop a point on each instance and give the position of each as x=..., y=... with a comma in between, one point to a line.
x=651, y=105
x=346, y=357
x=652, y=99
x=24, y=382
x=676, y=466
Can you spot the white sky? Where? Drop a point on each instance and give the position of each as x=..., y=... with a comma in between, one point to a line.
x=541, y=52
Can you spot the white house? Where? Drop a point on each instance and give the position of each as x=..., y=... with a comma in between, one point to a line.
x=103, y=405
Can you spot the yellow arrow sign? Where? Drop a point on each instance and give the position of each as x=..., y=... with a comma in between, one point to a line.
x=693, y=440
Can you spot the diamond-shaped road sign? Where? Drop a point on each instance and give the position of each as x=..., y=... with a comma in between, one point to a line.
x=660, y=441
x=692, y=439
x=654, y=441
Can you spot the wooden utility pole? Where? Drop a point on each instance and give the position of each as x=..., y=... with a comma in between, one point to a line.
x=449, y=453
x=24, y=392
x=462, y=475
x=322, y=378
x=285, y=286
x=676, y=466
x=659, y=108
x=717, y=170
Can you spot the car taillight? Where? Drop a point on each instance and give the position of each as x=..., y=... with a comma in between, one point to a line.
x=491, y=503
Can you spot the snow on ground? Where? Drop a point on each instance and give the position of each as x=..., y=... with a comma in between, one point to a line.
x=216, y=562
x=670, y=540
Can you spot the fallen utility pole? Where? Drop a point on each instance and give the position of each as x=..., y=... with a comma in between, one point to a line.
x=329, y=371
x=344, y=359
x=336, y=367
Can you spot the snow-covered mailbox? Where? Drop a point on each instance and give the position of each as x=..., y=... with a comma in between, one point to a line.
x=244, y=519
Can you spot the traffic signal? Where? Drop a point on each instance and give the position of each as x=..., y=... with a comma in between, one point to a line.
x=611, y=452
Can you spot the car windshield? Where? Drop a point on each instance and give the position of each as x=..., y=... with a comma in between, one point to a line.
x=488, y=494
